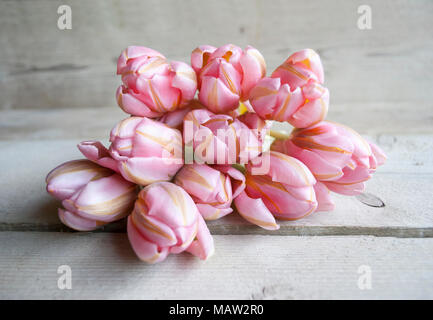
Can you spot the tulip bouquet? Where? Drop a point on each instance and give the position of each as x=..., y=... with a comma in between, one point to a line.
x=180, y=159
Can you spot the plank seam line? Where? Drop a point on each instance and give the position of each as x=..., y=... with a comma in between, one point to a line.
x=397, y=232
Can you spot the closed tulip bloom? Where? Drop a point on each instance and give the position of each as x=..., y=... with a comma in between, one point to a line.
x=165, y=220
x=366, y=157
x=299, y=68
x=336, y=155
x=91, y=195
x=211, y=187
x=152, y=85
x=142, y=150
x=285, y=192
x=321, y=147
x=220, y=139
x=300, y=106
x=226, y=75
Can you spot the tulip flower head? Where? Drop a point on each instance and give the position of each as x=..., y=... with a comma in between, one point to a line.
x=142, y=150
x=226, y=75
x=91, y=195
x=294, y=93
x=211, y=187
x=152, y=85
x=336, y=155
x=165, y=220
x=221, y=139
x=285, y=192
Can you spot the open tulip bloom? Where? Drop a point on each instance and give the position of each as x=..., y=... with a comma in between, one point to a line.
x=178, y=161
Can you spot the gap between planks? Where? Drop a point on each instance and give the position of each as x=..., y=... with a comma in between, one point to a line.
x=236, y=229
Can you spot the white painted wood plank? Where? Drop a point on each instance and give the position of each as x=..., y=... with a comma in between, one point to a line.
x=404, y=184
x=96, y=123
x=243, y=267
x=41, y=66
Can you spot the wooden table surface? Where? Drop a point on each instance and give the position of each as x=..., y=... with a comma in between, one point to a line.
x=57, y=91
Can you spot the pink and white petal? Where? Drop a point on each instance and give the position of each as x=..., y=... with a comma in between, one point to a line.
x=323, y=197
x=163, y=96
x=308, y=58
x=200, y=56
x=147, y=251
x=346, y=189
x=216, y=96
x=133, y=52
x=203, y=246
x=264, y=97
x=311, y=112
x=255, y=211
x=230, y=77
x=288, y=170
x=129, y=103
x=238, y=178
x=288, y=103
x=153, y=229
x=209, y=212
x=378, y=153
x=185, y=80
x=69, y=177
x=144, y=171
x=95, y=151
x=253, y=69
x=78, y=223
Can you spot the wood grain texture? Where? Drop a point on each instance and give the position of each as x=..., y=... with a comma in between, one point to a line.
x=95, y=123
x=243, y=267
x=44, y=67
x=403, y=184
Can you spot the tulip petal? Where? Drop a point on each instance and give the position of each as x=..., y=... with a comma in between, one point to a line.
x=144, y=249
x=96, y=152
x=255, y=211
x=323, y=197
x=203, y=247
x=77, y=222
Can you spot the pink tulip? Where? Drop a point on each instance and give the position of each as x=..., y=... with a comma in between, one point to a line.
x=336, y=155
x=142, y=150
x=321, y=147
x=299, y=68
x=220, y=139
x=211, y=187
x=365, y=158
x=226, y=75
x=301, y=107
x=92, y=195
x=165, y=220
x=286, y=192
x=294, y=93
x=152, y=85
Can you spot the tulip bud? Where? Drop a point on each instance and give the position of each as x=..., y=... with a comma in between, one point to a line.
x=226, y=75
x=286, y=191
x=336, y=155
x=142, y=150
x=299, y=68
x=301, y=107
x=152, y=85
x=220, y=139
x=91, y=195
x=211, y=187
x=165, y=220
